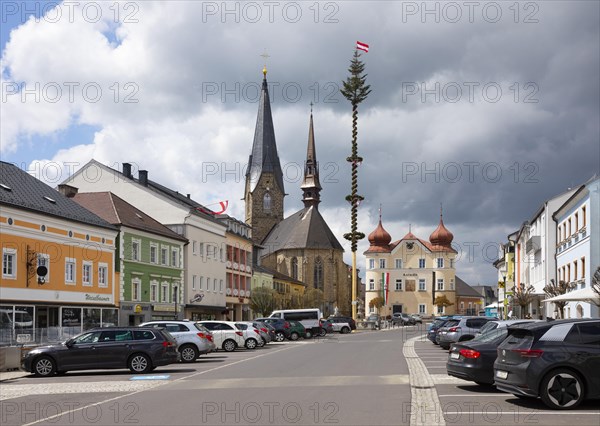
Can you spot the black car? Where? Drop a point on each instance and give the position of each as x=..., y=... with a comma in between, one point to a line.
x=282, y=327
x=141, y=349
x=435, y=326
x=557, y=361
x=341, y=319
x=473, y=360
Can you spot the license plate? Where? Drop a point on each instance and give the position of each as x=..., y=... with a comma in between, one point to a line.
x=454, y=355
x=502, y=374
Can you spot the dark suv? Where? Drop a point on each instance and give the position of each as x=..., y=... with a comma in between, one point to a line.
x=557, y=361
x=141, y=349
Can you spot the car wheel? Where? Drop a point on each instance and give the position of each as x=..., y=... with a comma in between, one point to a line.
x=140, y=363
x=308, y=334
x=229, y=346
x=279, y=336
x=261, y=342
x=188, y=353
x=322, y=332
x=562, y=389
x=294, y=336
x=345, y=330
x=44, y=366
x=251, y=344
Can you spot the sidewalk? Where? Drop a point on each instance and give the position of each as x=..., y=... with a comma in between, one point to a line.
x=11, y=375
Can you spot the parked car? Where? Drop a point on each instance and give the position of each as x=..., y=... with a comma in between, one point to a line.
x=193, y=340
x=326, y=327
x=473, y=360
x=297, y=330
x=557, y=361
x=264, y=331
x=348, y=320
x=141, y=349
x=417, y=318
x=252, y=337
x=460, y=329
x=339, y=325
x=435, y=326
x=225, y=334
x=282, y=327
x=402, y=319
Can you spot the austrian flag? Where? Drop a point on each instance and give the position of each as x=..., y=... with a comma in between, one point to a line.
x=362, y=46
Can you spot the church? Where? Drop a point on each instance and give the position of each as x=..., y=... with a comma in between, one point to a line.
x=301, y=246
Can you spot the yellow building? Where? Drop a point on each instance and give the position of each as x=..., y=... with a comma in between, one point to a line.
x=58, y=268
x=411, y=272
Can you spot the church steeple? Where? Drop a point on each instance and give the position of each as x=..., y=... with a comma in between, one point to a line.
x=311, y=187
x=264, y=190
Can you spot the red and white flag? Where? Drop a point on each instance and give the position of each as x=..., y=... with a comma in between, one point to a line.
x=222, y=204
x=362, y=46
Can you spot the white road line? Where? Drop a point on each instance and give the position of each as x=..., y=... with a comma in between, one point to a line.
x=473, y=394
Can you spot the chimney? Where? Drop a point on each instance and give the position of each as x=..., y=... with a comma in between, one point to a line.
x=189, y=195
x=143, y=177
x=67, y=190
x=127, y=170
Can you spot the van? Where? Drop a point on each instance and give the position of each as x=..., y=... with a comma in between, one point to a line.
x=22, y=319
x=309, y=318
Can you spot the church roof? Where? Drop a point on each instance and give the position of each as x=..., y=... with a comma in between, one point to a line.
x=304, y=229
x=264, y=157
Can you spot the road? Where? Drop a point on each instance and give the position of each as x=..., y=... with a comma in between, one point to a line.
x=358, y=379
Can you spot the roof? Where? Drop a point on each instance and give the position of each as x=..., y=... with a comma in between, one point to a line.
x=280, y=276
x=117, y=211
x=264, y=157
x=304, y=229
x=21, y=190
x=465, y=290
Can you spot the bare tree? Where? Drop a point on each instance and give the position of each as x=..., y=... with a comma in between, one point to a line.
x=313, y=298
x=524, y=296
x=554, y=289
x=596, y=286
x=263, y=301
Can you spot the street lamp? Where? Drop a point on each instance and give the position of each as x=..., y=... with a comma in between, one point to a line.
x=504, y=298
x=175, y=296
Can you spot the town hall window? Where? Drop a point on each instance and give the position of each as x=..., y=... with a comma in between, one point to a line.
x=421, y=263
x=371, y=263
x=398, y=285
x=267, y=202
x=440, y=262
x=382, y=263
x=371, y=284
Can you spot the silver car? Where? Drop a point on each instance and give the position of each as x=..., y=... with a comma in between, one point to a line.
x=192, y=340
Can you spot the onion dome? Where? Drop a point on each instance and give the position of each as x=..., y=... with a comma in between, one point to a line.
x=380, y=237
x=441, y=237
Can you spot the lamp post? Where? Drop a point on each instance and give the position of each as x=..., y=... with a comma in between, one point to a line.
x=504, y=297
x=176, y=296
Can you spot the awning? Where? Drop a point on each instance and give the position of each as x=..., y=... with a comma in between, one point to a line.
x=581, y=295
x=207, y=308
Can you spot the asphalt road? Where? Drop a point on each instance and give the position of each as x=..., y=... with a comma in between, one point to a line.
x=357, y=379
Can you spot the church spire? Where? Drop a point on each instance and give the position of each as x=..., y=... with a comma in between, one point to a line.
x=311, y=187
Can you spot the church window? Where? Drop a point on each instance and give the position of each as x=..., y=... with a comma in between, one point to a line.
x=267, y=202
x=295, y=268
x=318, y=273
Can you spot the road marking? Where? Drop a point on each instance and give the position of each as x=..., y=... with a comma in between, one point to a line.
x=160, y=377
x=473, y=394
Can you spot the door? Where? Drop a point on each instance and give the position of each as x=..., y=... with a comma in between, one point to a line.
x=113, y=348
x=396, y=309
x=81, y=354
x=214, y=328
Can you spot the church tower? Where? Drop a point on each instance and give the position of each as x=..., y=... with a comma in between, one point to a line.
x=311, y=187
x=264, y=190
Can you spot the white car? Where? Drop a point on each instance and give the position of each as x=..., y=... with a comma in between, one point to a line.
x=252, y=335
x=192, y=341
x=341, y=327
x=225, y=334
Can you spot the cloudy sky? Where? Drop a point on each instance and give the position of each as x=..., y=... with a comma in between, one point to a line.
x=487, y=107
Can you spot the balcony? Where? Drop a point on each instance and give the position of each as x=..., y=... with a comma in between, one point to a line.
x=533, y=244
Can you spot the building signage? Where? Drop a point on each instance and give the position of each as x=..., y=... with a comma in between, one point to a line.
x=97, y=297
x=411, y=275
x=138, y=309
x=164, y=308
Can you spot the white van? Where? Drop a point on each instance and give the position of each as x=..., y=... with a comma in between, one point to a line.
x=309, y=318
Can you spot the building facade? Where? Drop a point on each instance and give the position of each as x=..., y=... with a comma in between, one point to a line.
x=411, y=273
x=58, y=263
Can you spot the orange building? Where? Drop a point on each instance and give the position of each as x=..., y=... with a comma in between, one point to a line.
x=58, y=263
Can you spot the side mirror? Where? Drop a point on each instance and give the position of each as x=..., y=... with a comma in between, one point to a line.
x=69, y=343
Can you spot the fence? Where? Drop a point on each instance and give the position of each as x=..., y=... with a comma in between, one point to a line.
x=37, y=336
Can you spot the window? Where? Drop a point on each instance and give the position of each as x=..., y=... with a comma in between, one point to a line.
x=576, y=222
x=575, y=270
x=194, y=278
x=135, y=250
x=371, y=284
x=267, y=202
x=103, y=275
x=452, y=284
x=422, y=285
x=440, y=262
x=175, y=257
x=221, y=286
x=153, y=291
x=135, y=289
x=371, y=263
x=164, y=297
x=381, y=263
x=201, y=283
x=583, y=217
x=422, y=308
x=9, y=263
x=398, y=285
x=421, y=263
x=440, y=284
x=398, y=263
x=318, y=274
x=194, y=247
x=440, y=309
x=86, y=273
x=44, y=260
x=153, y=253
x=214, y=285
x=583, y=268
x=164, y=256
x=295, y=268
x=70, y=265
x=176, y=294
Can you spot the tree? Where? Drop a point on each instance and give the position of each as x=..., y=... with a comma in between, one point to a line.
x=377, y=303
x=313, y=298
x=524, y=296
x=442, y=301
x=596, y=286
x=356, y=91
x=263, y=301
x=554, y=289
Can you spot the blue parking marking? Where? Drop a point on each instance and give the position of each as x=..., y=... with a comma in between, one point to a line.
x=159, y=377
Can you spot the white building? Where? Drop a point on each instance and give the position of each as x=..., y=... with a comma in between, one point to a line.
x=578, y=244
x=204, y=256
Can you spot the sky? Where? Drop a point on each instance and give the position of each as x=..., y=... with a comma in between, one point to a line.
x=486, y=108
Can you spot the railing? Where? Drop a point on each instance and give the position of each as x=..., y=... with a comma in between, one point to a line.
x=37, y=336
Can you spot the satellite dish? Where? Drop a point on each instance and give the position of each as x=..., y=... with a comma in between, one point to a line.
x=42, y=271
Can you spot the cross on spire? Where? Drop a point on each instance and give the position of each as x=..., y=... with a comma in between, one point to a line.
x=265, y=56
